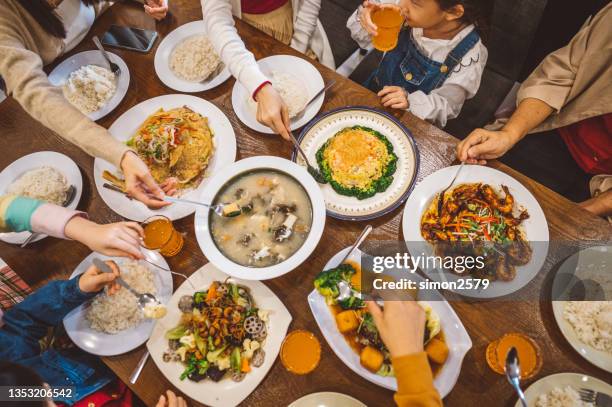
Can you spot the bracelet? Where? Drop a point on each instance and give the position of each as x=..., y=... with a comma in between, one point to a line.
x=259, y=88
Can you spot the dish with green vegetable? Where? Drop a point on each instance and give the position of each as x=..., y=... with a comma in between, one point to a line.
x=220, y=334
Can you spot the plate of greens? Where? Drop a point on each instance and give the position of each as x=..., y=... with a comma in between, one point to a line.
x=368, y=159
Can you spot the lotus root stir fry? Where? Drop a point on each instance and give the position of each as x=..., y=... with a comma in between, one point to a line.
x=476, y=220
x=221, y=333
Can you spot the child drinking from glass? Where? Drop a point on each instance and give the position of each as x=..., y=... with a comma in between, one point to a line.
x=439, y=58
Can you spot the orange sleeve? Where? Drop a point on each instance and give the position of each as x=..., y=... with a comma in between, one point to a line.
x=415, y=382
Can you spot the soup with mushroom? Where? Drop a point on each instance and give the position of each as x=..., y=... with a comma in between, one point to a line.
x=275, y=215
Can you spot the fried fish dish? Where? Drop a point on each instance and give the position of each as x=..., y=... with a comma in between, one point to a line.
x=175, y=143
x=475, y=220
x=357, y=161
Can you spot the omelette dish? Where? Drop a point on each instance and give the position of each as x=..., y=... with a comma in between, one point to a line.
x=357, y=161
x=476, y=220
x=175, y=143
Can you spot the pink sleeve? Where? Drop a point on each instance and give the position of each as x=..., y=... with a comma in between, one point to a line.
x=51, y=219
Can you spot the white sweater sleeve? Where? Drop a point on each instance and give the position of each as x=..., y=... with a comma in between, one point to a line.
x=241, y=63
x=305, y=24
x=358, y=33
x=445, y=102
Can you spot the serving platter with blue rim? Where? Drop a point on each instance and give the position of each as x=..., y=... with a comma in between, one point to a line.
x=327, y=125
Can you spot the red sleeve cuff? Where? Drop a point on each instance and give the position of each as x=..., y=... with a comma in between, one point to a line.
x=256, y=91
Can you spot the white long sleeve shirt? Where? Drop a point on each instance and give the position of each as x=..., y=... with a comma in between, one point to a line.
x=307, y=31
x=445, y=102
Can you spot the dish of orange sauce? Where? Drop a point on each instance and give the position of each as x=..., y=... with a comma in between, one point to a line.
x=301, y=352
x=529, y=354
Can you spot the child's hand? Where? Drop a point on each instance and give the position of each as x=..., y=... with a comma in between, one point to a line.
x=94, y=280
x=401, y=325
x=394, y=97
x=171, y=401
x=120, y=239
x=365, y=17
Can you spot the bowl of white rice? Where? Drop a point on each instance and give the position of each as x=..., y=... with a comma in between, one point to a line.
x=114, y=324
x=88, y=84
x=561, y=390
x=295, y=79
x=186, y=60
x=46, y=176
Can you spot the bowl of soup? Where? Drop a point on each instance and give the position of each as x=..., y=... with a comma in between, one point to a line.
x=279, y=217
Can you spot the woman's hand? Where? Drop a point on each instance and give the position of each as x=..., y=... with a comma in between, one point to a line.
x=401, y=325
x=482, y=145
x=394, y=97
x=94, y=280
x=272, y=111
x=156, y=8
x=139, y=182
x=171, y=400
x=120, y=239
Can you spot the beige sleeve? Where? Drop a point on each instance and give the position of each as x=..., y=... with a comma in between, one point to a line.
x=553, y=79
x=27, y=82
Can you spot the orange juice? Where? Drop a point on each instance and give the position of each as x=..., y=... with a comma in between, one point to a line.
x=389, y=21
x=300, y=352
x=529, y=354
x=160, y=234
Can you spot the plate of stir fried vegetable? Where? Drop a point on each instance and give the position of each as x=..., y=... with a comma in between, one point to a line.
x=486, y=214
x=350, y=331
x=219, y=340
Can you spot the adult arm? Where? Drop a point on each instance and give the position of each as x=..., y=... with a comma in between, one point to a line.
x=305, y=24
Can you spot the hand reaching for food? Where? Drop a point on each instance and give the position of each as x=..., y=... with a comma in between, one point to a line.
x=121, y=239
x=482, y=145
x=94, y=280
x=156, y=8
x=401, y=326
x=139, y=182
x=171, y=400
x=272, y=111
x=395, y=97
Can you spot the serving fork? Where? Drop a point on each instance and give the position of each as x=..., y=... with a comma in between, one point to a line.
x=594, y=397
x=441, y=196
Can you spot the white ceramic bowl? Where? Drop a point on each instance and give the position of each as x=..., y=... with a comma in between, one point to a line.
x=204, y=236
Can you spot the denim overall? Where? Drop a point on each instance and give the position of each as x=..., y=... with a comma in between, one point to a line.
x=407, y=67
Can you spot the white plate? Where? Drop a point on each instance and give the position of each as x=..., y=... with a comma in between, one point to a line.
x=457, y=338
x=17, y=168
x=207, y=244
x=348, y=207
x=125, y=127
x=536, y=227
x=327, y=399
x=303, y=70
x=226, y=392
x=597, y=259
x=162, y=61
x=576, y=380
x=60, y=74
x=103, y=344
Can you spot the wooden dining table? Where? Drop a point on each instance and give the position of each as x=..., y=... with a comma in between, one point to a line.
x=52, y=259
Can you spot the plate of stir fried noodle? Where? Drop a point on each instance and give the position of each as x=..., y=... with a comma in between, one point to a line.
x=486, y=215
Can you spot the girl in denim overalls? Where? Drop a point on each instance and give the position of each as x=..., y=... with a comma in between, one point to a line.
x=438, y=61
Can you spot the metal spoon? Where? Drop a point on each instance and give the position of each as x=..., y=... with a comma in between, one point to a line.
x=344, y=288
x=113, y=66
x=316, y=174
x=143, y=299
x=70, y=194
x=219, y=209
x=513, y=373
x=138, y=369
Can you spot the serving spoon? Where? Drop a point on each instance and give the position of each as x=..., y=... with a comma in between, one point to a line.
x=314, y=172
x=344, y=287
x=144, y=300
x=226, y=210
x=513, y=373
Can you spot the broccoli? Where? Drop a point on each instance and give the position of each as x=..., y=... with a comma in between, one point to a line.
x=327, y=281
x=351, y=302
x=199, y=297
x=377, y=185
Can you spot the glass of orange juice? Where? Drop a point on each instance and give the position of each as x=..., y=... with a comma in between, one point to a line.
x=529, y=354
x=388, y=18
x=160, y=234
